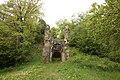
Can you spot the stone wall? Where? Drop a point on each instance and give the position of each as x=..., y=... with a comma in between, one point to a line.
x=48, y=44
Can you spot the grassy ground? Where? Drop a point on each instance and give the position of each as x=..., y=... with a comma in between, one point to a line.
x=77, y=68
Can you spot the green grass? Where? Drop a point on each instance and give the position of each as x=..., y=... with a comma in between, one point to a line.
x=80, y=67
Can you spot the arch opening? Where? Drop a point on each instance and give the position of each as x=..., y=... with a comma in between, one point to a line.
x=56, y=56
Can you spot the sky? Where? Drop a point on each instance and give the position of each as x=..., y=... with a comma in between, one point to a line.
x=54, y=10
x=59, y=9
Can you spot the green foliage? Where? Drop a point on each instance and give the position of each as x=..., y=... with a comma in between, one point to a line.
x=60, y=31
x=92, y=48
x=40, y=27
x=20, y=28
x=79, y=67
x=80, y=60
x=95, y=62
x=115, y=56
x=73, y=51
x=54, y=32
x=97, y=32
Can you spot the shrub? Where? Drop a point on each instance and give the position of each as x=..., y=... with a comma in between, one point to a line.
x=74, y=51
x=94, y=62
x=114, y=56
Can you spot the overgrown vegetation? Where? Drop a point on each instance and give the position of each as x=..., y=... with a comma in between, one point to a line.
x=20, y=29
x=97, y=31
x=79, y=67
x=80, y=59
x=94, y=43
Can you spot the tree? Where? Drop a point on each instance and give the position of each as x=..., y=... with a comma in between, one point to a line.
x=98, y=30
x=61, y=23
x=19, y=26
x=54, y=32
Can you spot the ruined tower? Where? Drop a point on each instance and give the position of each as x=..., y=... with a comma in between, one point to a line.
x=66, y=47
x=46, y=48
x=56, y=48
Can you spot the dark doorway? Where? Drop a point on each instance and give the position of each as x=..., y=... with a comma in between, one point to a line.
x=56, y=56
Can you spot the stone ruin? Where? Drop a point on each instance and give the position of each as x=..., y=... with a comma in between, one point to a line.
x=55, y=49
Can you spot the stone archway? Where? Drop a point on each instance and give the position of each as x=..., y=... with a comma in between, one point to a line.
x=55, y=48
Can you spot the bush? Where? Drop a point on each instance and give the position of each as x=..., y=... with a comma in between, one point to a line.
x=74, y=51
x=114, y=56
x=6, y=60
x=11, y=56
x=94, y=62
x=89, y=46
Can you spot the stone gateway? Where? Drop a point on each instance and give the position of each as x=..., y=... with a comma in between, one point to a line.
x=55, y=49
